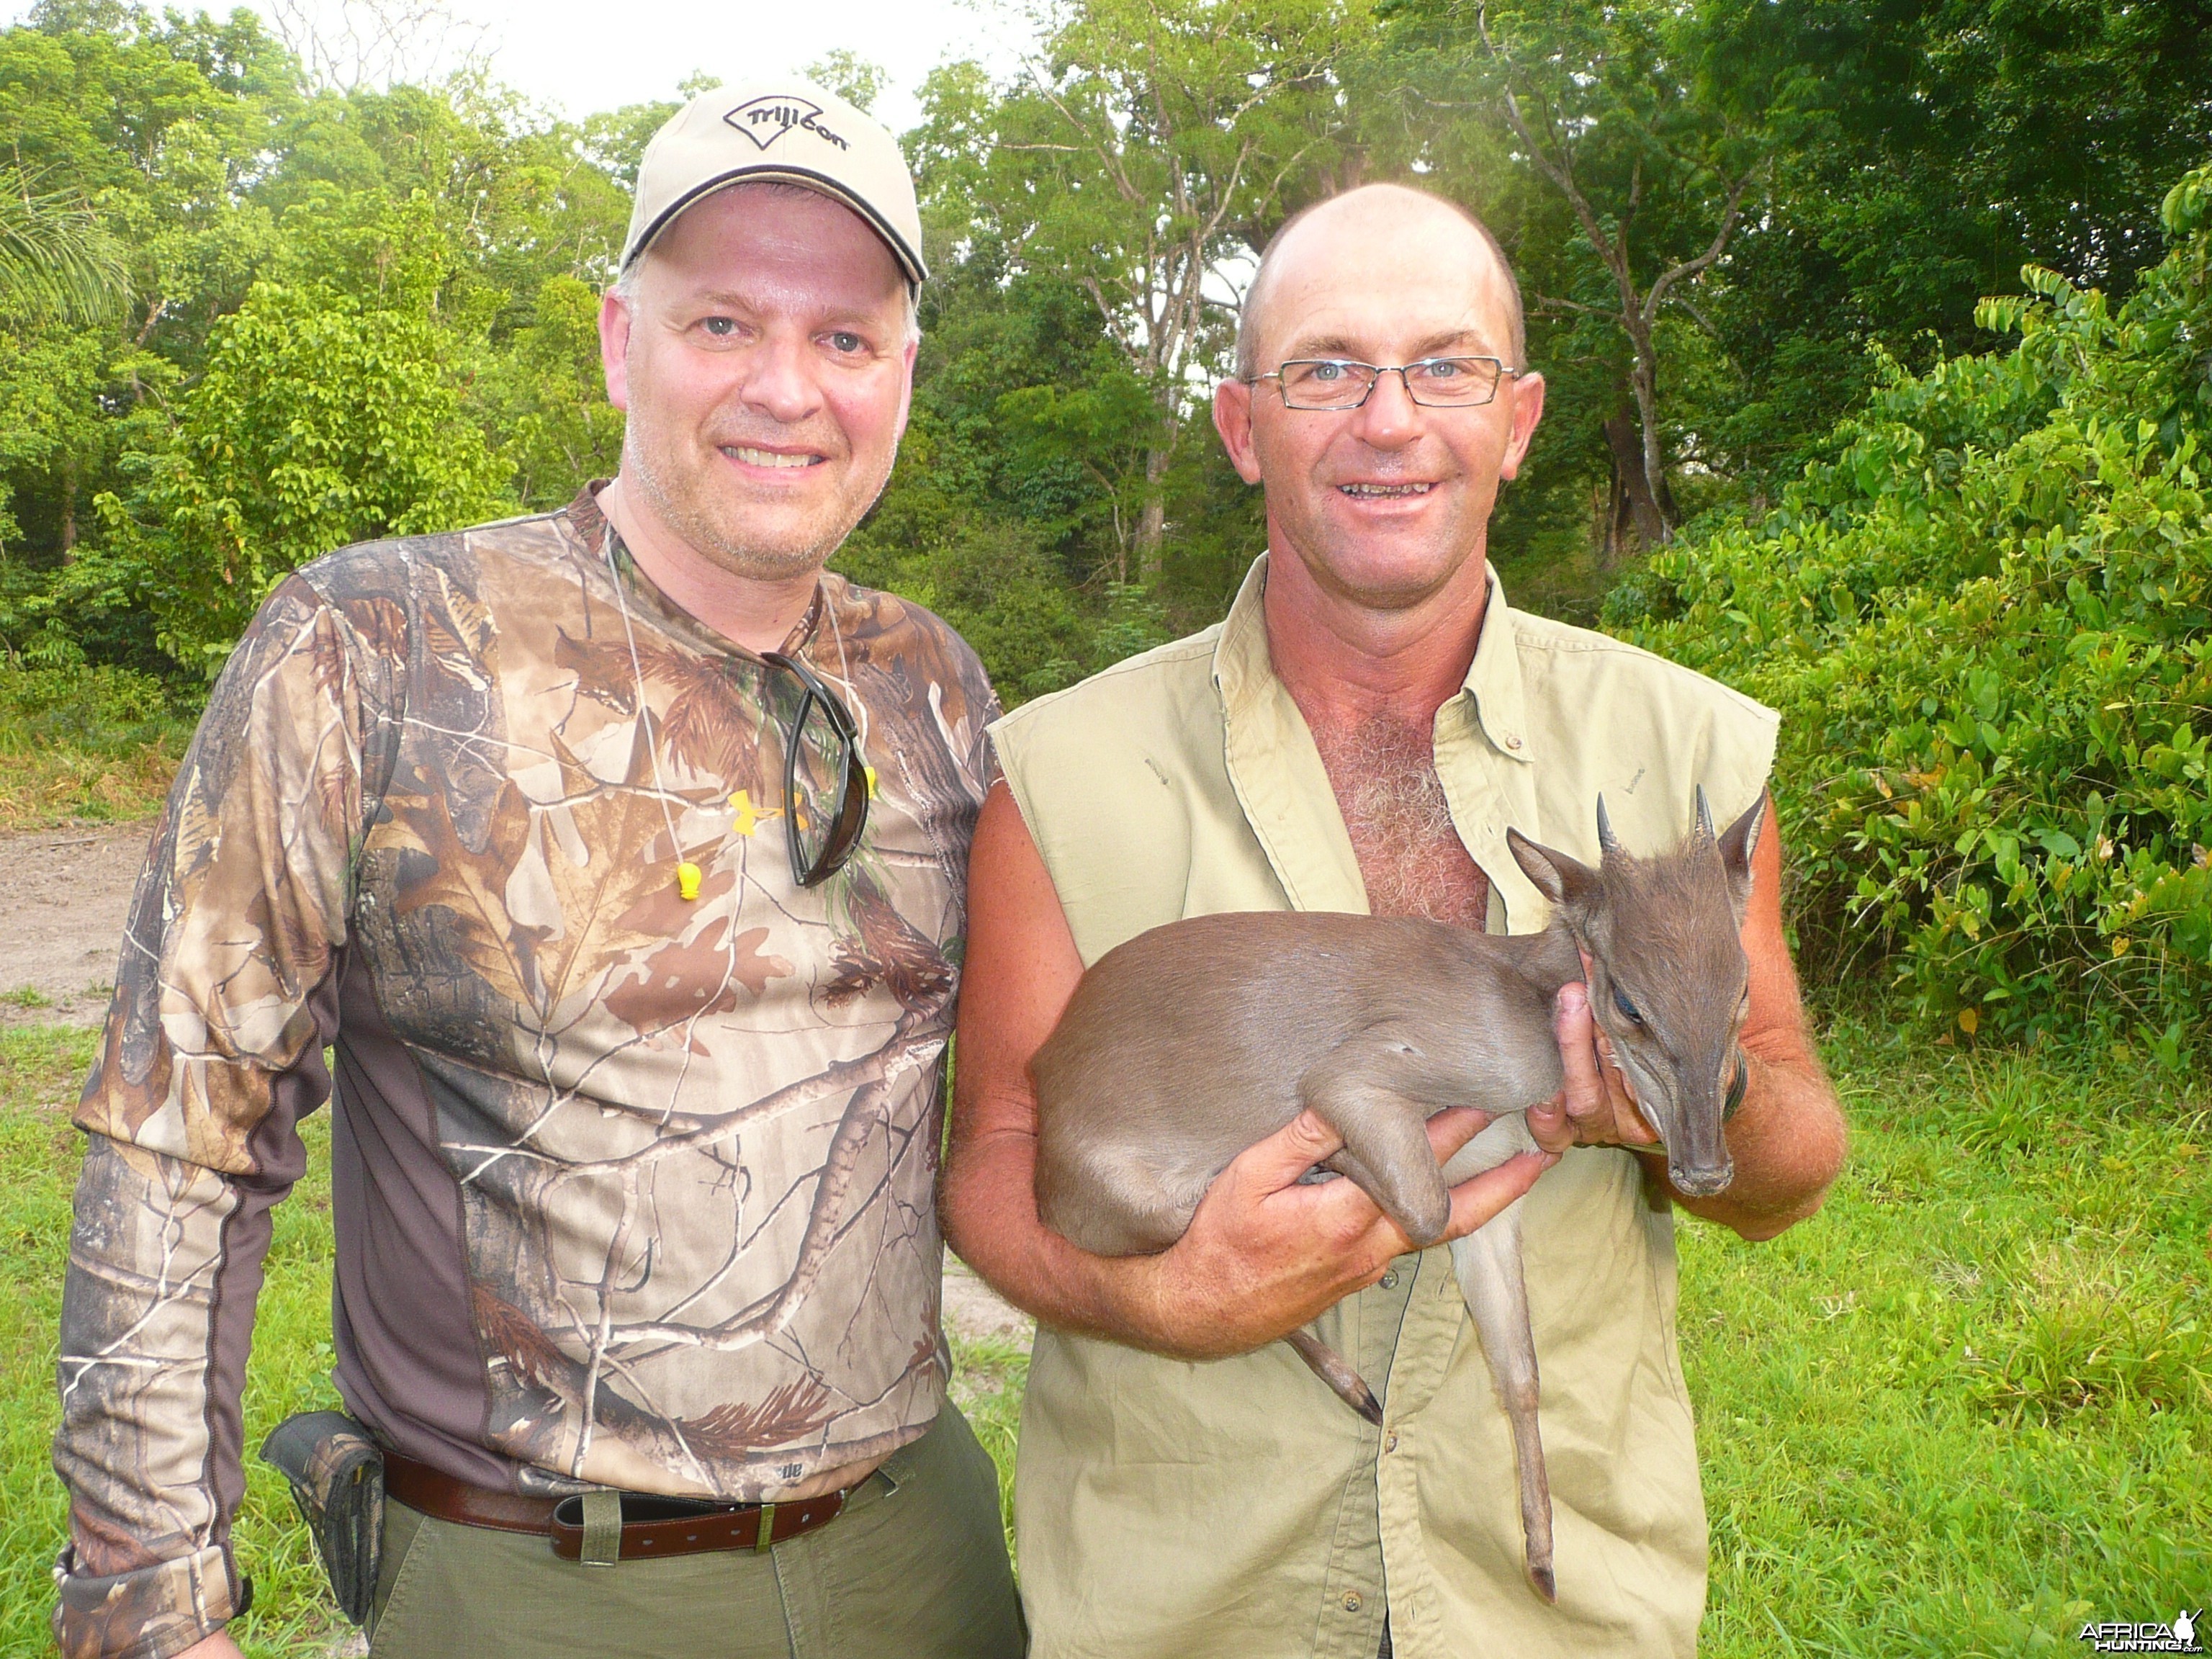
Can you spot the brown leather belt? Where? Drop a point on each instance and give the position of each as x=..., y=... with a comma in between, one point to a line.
x=654, y=1527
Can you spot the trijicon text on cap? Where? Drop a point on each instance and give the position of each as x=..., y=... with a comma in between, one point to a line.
x=764, y=120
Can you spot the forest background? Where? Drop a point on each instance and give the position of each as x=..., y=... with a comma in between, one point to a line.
x=257, y=303
x=1879, y=335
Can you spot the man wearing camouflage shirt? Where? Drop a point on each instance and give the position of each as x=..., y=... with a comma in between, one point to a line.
x=620, y=853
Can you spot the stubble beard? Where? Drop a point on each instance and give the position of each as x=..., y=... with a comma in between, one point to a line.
x=686, y=504
x=1336, y=556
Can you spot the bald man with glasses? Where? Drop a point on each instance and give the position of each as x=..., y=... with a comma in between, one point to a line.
x=1358, y=736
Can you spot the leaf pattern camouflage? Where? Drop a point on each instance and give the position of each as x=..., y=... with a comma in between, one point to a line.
x=681, y=1154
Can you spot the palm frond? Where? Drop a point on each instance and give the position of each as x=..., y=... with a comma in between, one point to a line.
x=57, y=261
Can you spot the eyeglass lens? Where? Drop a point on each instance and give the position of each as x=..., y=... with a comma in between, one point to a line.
x=825, y=780
x=1332, y=383
x=820, y=770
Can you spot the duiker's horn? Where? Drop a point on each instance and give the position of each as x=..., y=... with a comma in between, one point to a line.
x=1608, y=842
x=1704, y=815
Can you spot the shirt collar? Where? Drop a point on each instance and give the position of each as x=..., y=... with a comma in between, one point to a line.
x=1245, y=671
x=1273, y=766
x=1493, y=679
x=604, y=542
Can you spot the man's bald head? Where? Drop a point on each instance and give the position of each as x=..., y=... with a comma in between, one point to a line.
x=1378, y=211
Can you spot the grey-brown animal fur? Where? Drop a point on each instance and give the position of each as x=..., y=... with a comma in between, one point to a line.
x=1187, y=1044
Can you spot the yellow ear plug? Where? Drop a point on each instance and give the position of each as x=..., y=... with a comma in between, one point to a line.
x=688, y=875
x=871, y=771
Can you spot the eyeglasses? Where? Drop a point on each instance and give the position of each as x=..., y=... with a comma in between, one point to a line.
x=1433, y=382
x=826, y=782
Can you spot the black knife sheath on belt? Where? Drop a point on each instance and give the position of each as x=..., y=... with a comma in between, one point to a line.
x=336, y=1473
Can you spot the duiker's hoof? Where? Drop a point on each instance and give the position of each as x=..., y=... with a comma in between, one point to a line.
x=1545, y=1585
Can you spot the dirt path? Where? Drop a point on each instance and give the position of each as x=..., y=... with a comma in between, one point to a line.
x=63, y=896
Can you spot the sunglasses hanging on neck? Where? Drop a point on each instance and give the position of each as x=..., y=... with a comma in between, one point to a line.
x=827, y=782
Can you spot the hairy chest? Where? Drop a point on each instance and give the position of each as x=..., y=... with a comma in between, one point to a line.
x=1411, y=857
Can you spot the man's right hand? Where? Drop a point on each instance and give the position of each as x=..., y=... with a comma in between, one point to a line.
x=1267, y=1252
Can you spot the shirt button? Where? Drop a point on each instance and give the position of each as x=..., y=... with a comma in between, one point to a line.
x=1351, y=1601
x=1391, y=1444
x=1512, y=742
x=1390, y=1280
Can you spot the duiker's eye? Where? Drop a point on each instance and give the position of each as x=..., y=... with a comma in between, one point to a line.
x=1627, y=1008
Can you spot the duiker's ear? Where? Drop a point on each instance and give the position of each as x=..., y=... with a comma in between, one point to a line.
x=1737, y=843
x=1564, y=881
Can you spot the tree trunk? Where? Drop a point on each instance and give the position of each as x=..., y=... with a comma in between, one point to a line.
x=68, y=512
x=1634, y=507
x=1644, y=383
x=1151, y=522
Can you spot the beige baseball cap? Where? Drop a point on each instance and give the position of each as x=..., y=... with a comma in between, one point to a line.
x=786, y=130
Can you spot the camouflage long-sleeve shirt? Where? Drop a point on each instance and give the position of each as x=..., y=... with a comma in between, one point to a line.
x=630, y=1191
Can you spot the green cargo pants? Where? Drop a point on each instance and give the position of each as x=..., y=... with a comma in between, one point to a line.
x=915, y=1568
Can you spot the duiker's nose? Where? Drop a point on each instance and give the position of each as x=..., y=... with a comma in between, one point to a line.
x=1697, y=1160
x=1701, y=1181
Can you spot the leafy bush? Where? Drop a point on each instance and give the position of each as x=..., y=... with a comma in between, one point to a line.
x=1988, y=625
x=96, y=698
x=324, y=418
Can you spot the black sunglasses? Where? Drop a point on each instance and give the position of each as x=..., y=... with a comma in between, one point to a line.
x=823, y=813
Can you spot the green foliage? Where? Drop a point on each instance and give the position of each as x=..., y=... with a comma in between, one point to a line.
x=345, y=315
x=55, y=259
x=1018, y=480
x=84, y=741
x=1135, y=161
x=988, y=1376
x=855, y=79
x=1927, y=149
x=547, y=397
x=1988, y=624
x=318, y=421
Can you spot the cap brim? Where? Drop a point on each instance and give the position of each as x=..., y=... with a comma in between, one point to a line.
x=909, y=259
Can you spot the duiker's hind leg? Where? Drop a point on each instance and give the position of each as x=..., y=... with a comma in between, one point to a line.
x=1333, y=1369
x=1488, y=1264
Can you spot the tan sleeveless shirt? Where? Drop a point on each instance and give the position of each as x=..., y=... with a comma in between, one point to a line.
x=1237, y=1508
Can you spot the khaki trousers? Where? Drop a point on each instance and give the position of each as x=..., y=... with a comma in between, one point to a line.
x=915, y=1568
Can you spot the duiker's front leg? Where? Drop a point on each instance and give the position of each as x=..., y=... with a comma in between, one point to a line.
x=1367, y=1091
x=1488, y=1264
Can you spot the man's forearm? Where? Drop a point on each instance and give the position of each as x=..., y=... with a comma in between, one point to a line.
x=990, y=1219
x=164, y=1262
x=1788, y=1146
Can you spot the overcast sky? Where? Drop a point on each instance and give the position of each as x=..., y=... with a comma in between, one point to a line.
x=579, y=56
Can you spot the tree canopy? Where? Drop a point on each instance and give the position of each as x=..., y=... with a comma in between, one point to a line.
x=251, y=309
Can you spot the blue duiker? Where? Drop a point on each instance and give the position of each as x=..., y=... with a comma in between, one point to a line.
x=1185, y=1045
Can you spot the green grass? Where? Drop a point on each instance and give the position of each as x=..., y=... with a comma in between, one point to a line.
x=84, y=743
x=1969, y=1405
x=989, y=1376
x=1967, y=1408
